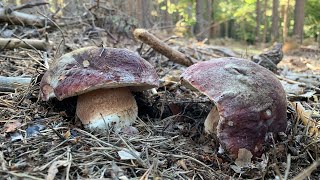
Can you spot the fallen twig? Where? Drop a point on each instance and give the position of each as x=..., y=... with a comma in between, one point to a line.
x=11, y=83
x=299, y=83
x=11, y=43
x=305, y=173
x=15, y=17
x=29, y=5
x=174, y=55
x=305, y=117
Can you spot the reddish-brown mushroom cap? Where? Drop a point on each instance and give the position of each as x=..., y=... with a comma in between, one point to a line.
x=91, y=68
x=103, y=79
x=250, y=100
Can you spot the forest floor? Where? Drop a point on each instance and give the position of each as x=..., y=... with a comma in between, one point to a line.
x=44, y=140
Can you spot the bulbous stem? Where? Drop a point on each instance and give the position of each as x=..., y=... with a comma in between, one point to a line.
x=107, y=108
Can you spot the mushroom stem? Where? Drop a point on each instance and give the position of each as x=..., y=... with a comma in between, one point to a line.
x=212, y=121
x=107, y=108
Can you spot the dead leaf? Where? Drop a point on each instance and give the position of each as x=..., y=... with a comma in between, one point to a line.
x=12, y=126
x=117, y=172
x=308, y=94
x=34, y=130
x=182, y=163
x=244, y=158
x=237, y=169
x=125, y=154
x=15, y=136
x=53, y=169
x=67, y=134
x=305, y=116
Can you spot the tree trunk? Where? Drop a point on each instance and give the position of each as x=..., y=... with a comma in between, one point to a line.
x=209, y=18
x=129, y=8
x=232, y=28
x=265, y=22
x=258, y=20
x=275, y=21
x=285, y=21
x=145, y=13
x=199, y=28
x=167, y=16
x=298, y=19
x=138, y=11
x=226, y=28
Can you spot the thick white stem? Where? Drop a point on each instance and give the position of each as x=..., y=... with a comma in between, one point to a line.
x=107, y=108
x=212, y=120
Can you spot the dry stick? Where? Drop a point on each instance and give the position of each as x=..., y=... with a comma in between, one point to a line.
x=21, y=175
x=286, y=175
x=11, y=83
x=161, y=47
x=305, y=173
x=299, y=83
x=64, y=40
x=11, y=43
x=132, y=152
x=29, y=5
x=16, y=17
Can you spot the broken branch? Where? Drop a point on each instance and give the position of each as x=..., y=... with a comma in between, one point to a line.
x=29, y=5
x=15, y=17
x=161, y=47
x=11, y=83
x=11, y=43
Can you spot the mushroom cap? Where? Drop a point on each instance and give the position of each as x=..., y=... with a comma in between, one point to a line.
x=250, y=100
x=92, y=68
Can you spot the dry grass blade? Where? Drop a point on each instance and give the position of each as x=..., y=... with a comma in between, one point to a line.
x=170, y=143
x=305, y=173
x=145, y=176
x=23, y=175
x=305, y=116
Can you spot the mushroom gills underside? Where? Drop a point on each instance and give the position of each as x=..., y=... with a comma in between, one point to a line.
x=105, y=109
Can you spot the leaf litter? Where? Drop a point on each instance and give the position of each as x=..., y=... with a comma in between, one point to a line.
x=51, y=143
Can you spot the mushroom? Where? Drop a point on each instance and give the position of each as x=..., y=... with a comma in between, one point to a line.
x=103, y=79
x=250, y=102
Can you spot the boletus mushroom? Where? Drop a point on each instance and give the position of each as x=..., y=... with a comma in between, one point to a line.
x=103, y=79
x=249, y=101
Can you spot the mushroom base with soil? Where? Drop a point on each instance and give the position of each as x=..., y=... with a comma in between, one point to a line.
x=107, y=108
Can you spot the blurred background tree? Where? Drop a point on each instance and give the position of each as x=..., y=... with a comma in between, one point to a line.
x=250, y=21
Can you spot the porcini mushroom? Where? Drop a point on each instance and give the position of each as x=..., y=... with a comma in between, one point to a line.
x=250, y=102
x=103, y=79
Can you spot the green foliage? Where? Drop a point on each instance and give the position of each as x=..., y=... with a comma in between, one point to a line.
x=243, y=13
x=184, y=8
x=312, y=18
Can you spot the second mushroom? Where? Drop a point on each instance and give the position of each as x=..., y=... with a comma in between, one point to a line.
x=103, y=79
x=250, y=102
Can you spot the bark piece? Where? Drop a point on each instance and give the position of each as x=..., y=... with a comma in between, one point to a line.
x=269, y=59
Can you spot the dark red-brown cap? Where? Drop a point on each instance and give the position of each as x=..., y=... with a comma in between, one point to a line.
x=92, y=68
x=250, y=99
